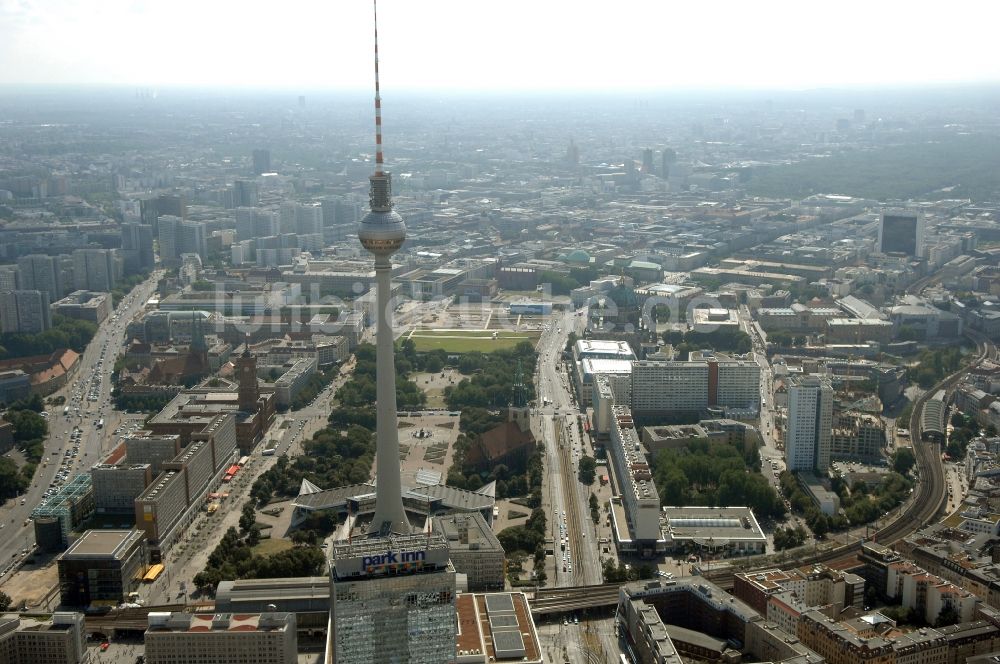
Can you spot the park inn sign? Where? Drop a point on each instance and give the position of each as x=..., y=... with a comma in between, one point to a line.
x=389, y=558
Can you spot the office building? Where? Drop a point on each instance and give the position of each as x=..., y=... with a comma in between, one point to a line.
x=194, y=239
x=24, y=312
x=809, y=426
x=647, y=162
x=293, y=380
x=858, y=437
x=145, y=447
x=101, y=568
x=137, y=247
x=221, y=638
x=636, y=520
x=116, y=486
x=57, y=516
x=663, y=620
x=95, y=269
x=151, y=209
x=166, y=506
x=261, y=162
x=84, y=305
x=474, y=550
x=41, y=273
x=59, y=639
x=901, y=233
x=15, y=385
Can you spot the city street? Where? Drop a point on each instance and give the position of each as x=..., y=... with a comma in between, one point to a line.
x=188, y=557
x=566, y=498
x=93, y=372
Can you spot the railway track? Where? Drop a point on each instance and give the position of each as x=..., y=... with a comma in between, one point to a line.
x=929, y=497
x=926, y=503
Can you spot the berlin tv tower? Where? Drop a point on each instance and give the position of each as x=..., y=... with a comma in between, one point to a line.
x=382, y=232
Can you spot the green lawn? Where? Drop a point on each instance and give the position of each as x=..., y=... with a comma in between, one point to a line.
x=272, y=545
x=467, y=342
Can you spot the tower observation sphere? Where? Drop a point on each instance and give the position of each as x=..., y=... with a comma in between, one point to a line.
x=381, y=231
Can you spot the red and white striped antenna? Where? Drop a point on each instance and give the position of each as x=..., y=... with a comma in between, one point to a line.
x=378, y=101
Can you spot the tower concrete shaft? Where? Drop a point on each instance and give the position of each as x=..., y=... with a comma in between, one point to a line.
x=389, y=513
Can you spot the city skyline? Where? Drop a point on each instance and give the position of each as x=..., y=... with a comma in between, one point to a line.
x=648, y=46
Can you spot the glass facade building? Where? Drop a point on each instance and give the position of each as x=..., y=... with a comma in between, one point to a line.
x=392, y=600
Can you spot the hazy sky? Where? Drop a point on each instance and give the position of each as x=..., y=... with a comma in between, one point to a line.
x=504, y=44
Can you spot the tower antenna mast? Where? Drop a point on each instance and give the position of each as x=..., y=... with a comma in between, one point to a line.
x=378, y=102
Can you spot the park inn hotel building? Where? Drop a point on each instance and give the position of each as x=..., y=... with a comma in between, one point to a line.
x=392, y=599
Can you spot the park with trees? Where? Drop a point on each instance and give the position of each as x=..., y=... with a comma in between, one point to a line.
x=715, y=474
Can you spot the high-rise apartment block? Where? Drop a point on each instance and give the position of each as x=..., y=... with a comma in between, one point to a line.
x=309, y=219
x=42, y=273
x=10, y=277
x=901, y=233
x=24, y=312
x=662, y=387
x=707, y=380
x=261, y=162
x=96, y=269
x=137, y=247
x=178, y=237
x=254, y=223
x=810, y=424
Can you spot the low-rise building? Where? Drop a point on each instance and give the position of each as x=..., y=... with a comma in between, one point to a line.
x=730, y=530
x=474, y=550
x=101, y=568
x=61, y=639
x=858, y=437
x=293, y=380
x=195, y=638
x=84, y=305
x=496, y=627
x=813, y=585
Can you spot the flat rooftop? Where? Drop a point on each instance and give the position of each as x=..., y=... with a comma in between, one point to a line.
x=717, y=523
x=498, y=626
x=220, y=622
x=102, y=543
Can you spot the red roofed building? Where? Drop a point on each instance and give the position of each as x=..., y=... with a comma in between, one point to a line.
x=510, y=443
x=47, y=372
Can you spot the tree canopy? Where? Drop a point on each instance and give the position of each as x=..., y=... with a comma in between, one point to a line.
x=64, y=333
x=714, y=474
